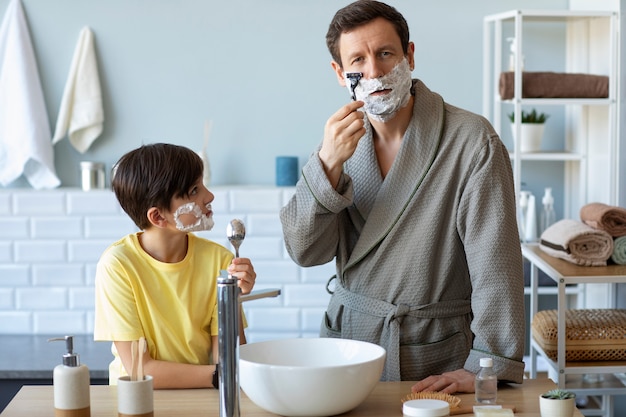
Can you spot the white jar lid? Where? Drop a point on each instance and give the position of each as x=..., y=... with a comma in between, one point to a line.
x=426, y=408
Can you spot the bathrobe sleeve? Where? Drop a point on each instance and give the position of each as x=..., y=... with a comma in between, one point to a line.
x=488, y=229
x=314, y=214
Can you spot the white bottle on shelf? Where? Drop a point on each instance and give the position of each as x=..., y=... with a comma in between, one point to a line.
x=548, y=217
x=512, y=55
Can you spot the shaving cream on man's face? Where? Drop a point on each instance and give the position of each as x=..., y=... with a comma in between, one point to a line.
x=383, y=107
x=189, y=218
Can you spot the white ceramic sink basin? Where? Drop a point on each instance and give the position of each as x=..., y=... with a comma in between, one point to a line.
x=311, y=376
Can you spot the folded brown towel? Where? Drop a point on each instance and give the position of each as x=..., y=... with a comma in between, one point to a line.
x=555, y=85
x=611, y=219
x=576, y=242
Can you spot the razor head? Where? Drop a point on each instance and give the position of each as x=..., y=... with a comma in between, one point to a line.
x=354, y=78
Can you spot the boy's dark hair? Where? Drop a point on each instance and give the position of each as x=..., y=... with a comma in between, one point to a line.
x=359, y=13
x=151, y=175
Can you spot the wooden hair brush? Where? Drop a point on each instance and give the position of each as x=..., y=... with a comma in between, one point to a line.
x=434, y=395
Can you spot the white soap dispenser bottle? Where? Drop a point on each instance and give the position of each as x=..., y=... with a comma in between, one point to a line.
x=71, y=384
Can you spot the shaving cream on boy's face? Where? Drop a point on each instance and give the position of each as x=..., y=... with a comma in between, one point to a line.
x=383, y=107
x=189, y=218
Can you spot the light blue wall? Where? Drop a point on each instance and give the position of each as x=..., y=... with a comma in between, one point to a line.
x=259, y=69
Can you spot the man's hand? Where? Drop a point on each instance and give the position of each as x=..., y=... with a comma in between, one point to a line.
x=341, y=136
x=448, y=382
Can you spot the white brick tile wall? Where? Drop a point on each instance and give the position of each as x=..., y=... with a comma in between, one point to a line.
x=7, y=299
x=59, y=227
x=321, y=273
x=274, y=319
x=41, y=298
x=50, y=242
x=16, y=322
x=59, y=322
x=279, y=272
x=5, y=203
x=306, y=295
x=15, y=227
x=263, y=224
x=87, y=250
x=81, y=299
x=35, y=251
x=112, y=227
x=90, y=274
x=13, y=275
x=6, y=251
x=65, y=274
x=250, y=200
x=312, y=319
x=92, y=202
x=42, y=202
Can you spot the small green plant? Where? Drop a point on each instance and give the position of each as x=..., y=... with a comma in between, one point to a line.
x=558, y=394
x=530, y=117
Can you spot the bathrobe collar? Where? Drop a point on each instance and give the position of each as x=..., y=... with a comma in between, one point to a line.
x=383, y=202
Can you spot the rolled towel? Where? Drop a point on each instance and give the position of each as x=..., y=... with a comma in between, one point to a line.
x=555, y=85
x=611, y=219
x=576, y=242
x=619, y=250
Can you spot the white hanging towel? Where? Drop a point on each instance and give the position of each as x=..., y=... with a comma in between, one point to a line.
x=81, y=115
x=25, y=147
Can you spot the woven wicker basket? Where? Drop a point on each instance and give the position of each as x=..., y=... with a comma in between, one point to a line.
x=591, y=334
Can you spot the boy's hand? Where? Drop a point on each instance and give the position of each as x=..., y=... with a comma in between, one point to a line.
x=242, y=269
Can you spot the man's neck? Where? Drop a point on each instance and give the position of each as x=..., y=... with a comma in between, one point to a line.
x=393, y=130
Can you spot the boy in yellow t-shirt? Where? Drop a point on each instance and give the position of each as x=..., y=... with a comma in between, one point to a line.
x=161, y=283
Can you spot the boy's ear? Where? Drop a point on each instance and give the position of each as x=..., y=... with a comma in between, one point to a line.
x=156, y=218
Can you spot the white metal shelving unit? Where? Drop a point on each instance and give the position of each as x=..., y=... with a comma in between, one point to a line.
x=570, y=374
x=591, y=47
x=590, y=158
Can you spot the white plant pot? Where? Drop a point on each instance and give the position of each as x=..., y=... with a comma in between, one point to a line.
x=531, y=136
x=556, y=408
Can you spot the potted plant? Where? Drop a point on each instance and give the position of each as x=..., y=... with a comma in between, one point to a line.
x=557, y=403
x=532, y=129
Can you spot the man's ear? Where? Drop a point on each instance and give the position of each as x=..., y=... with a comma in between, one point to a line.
x=339, y=72
x=410, y=55
x=156, y=218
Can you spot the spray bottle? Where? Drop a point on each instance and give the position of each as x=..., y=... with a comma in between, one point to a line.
x=513, y=49
x=71, y=384
x=548, y=217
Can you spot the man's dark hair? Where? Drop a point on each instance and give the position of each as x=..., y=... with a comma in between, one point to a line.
x=359, y=13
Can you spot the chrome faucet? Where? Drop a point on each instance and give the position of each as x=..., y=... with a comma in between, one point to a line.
x=228, y=344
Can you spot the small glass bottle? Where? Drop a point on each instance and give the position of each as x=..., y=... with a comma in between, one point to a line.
x=548, y=217
x=486, y=383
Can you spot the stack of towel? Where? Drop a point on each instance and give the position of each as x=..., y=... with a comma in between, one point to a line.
x=611, y=219
x=600, y=235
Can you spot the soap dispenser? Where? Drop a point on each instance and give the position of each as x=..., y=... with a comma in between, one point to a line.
x=71, y=384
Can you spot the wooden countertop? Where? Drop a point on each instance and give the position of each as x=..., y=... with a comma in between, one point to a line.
x=385, y=400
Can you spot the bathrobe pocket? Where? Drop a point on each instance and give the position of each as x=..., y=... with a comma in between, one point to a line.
x=422, y=360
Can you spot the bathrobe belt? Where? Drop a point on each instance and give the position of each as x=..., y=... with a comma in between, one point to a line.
x=393, y=315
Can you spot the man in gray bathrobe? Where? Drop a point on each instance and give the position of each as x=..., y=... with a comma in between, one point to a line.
x=414, y=200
